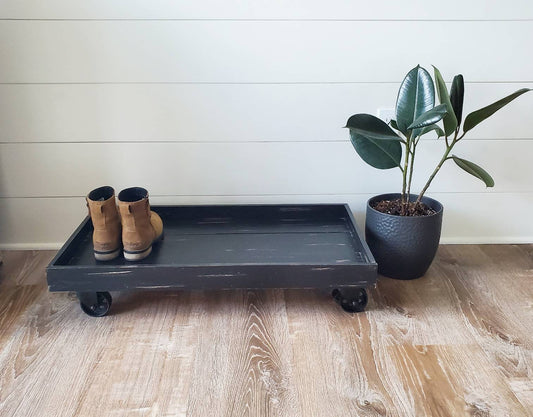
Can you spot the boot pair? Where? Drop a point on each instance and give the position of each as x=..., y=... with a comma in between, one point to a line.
x=133, y=226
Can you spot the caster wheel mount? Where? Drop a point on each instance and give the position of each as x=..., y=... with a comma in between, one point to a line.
x=352, y=300
x=95, y=304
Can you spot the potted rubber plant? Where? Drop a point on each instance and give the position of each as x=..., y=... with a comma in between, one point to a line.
x=403, y=229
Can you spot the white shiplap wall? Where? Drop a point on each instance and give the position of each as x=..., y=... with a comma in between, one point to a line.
x=243, y=102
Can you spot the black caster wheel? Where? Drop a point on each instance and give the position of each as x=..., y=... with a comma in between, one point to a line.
x=352, y=300
x=95, y=304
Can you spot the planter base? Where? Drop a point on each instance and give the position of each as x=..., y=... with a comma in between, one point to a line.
x=403, y=246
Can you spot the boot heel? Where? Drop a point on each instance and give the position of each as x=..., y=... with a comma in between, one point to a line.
x=137, y=255
x=106, y=256
x=106, y=223
x=140, y=226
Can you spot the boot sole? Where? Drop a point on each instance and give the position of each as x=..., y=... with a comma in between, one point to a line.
x=106, y=256
x=140, y=255
x=137, y=255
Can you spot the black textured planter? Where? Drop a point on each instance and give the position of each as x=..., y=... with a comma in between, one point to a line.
x=403, y=246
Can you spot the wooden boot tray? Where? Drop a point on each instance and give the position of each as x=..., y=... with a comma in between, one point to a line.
x=227, y=247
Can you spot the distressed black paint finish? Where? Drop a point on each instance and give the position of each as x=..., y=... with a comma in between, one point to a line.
x=223, y=247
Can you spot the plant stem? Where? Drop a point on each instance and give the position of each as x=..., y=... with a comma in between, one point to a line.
x=411, y=173
x=405, y=170
x=439, y=166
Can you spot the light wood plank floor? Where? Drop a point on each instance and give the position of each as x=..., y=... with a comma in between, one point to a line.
x=458, y=342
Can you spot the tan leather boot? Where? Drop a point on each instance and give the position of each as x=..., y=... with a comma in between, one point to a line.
x=140, y=226
x=106, y=223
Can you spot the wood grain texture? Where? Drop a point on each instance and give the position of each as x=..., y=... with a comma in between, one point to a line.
x=457, y=342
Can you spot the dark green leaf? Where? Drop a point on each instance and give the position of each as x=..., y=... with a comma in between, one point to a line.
x=457, y=95
x=449, y=121
x=394, y=125
x=476, y=117
x=474, y=170
x=375, y=142
x=371, y=127
x=430, y=117
x=430, y=128
x=415, y=97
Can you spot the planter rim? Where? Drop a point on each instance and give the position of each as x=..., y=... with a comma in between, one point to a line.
x=383, y=196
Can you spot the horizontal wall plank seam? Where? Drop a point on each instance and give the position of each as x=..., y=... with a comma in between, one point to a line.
x=22, y=142
x=18, y=19
x=245, y=82
x=268, y=195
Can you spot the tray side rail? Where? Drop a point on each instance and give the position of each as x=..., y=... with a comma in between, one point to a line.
x=211, y=277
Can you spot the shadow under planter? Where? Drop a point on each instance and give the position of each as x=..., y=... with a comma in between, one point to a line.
x=403, y=246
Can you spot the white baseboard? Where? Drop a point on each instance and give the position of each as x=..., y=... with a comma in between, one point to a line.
x=496, y=240
x=31, y=246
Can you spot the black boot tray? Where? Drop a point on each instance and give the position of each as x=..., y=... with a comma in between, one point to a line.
x=228, y=246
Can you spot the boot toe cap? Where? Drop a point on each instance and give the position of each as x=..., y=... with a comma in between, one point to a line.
x=157, y=224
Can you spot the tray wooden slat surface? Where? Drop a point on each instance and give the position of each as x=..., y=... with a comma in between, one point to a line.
x=219, y=247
